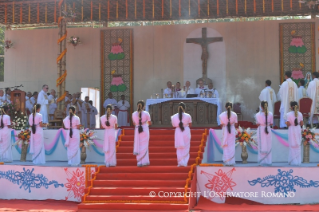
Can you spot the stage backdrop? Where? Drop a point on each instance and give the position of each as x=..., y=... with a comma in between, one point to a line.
x=251, y=57
x=116, y=64
x=297, y=49
x=267, y=185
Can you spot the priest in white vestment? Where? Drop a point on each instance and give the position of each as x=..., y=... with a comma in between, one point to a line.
x=34, y=98
x=3, y=98
x=268, y=94
x=302, y=92
x=188, y=89
x=28, y=103
x=53, y=106
x=201, y=88
x=287, y=92
x=168, y=92
x=123, y=117
x=313, y=93
x=110, y=101
x=93, y=114
x=212, y=92
x=86, y=110
x=44, y=102
x=78, y=105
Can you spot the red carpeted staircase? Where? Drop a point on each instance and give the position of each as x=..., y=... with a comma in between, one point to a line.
x=128, y=187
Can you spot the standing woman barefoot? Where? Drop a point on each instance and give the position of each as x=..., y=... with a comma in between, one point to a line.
x=141, y=120
x=5, y=136
x=109, y=123
x=36, y=140
x=294, y=123
x=182, y=121
x=72, y=124
x=264, y=120
x=228, y=119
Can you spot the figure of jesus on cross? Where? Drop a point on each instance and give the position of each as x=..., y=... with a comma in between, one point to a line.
x=204, y=41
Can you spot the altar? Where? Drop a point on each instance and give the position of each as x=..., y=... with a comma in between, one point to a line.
x=204, y=111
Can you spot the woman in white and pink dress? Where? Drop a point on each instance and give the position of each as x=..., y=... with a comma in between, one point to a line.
x=72, y=124
x=5, y=136
x=141, y=120
x=228, y=120
x=182, y=122
x=109, y=123
x=264, y=120
x=36, y=140
x=294, y=123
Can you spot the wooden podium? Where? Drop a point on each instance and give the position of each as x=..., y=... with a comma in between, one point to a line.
x=18, y=100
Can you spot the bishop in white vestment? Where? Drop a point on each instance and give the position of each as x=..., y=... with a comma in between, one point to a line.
x=200, y=88
x=313, y=93
x=44, y=102
x=268, y=94
x=168, y=92
x=123, y=118
x=212, y=92
x=288, y=92
x=188, y=89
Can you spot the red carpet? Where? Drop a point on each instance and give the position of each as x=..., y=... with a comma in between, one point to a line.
x=38, y=205
x=207, y=205
x=127, y=187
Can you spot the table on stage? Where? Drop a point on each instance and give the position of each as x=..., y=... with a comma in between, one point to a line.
x=204, y=111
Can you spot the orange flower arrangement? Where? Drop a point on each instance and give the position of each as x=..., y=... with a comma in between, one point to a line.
x=24, y=136
x=86, y=138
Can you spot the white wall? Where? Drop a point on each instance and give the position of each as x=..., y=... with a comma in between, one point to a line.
x=248, y=56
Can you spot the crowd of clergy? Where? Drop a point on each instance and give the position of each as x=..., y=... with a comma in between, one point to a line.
x=291, y=118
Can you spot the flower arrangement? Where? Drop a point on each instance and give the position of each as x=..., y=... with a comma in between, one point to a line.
x=309, y=135
x=8, y=44
x=245, y=137
x=23, y=137
x=74, y=40
x=86, y=138
x=19, y=121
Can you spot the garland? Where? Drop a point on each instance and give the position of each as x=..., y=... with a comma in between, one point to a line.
x=51, y=147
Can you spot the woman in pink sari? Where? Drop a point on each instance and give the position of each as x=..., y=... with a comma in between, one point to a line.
x=182, y=121
x=72, y=124
x=294, y=123
x=264, y=120
x=36, y=141
x=5, y=136
x=109, y=123
x=228, y=120
x=141, y=120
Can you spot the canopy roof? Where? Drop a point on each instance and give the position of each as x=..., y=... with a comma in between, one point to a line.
x=47, y=11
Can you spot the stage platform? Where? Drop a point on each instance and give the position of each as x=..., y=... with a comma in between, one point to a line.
x=266, y=185
x=54, y=180
x=238, y=164
x=59, y=181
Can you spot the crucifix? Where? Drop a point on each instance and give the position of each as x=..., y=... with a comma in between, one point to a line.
x=204, y=41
